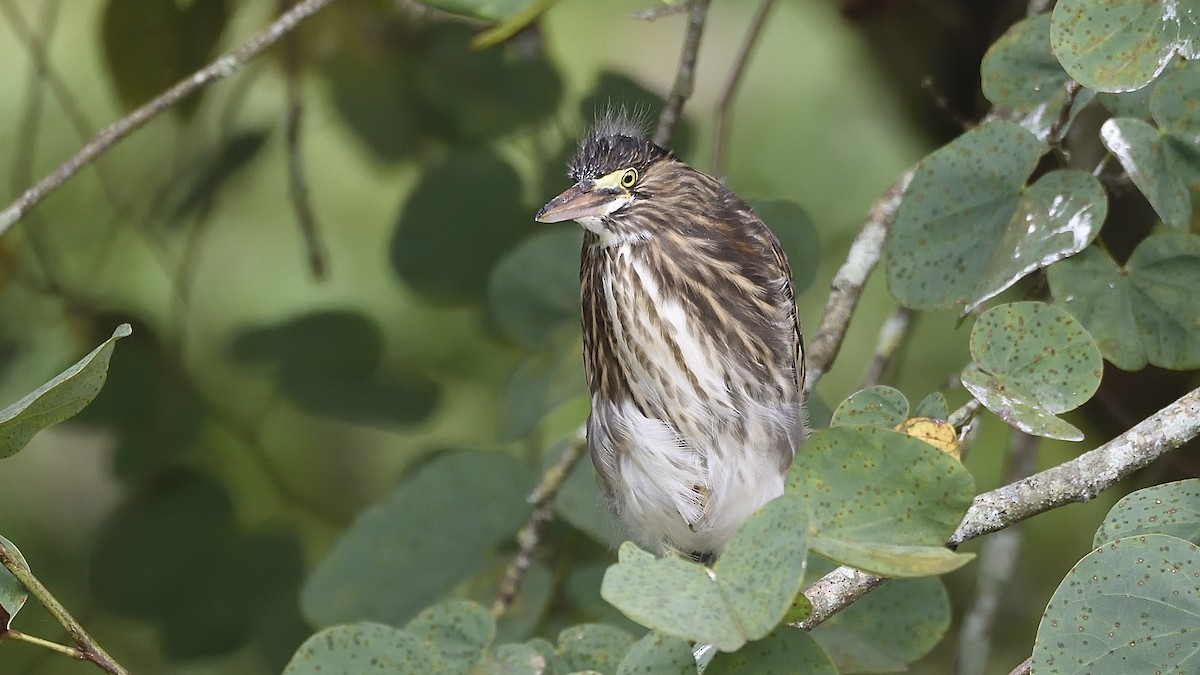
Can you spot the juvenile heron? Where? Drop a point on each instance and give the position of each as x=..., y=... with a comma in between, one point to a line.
x=691, y=342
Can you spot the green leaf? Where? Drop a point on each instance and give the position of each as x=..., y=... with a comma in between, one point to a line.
x=658, y=654
x=933, y=406
x=1036, y=359
x=580, y=501
x=445, y=245
x=797, y=235
x=13, y=593
x=1174, y=105
x=514, y=659
x=785, y=650
x=459, y=630
x=548, y=653
x=150, y=45
x=741, y=598
x=1130, y=606
x=1170, y=508
x=1146, y=312
x=1150, y=163
x=538, y=385
x=487, y=10
x=961, y=200
x=1118, y=45
x=329, y=362
x=881, y=501
x=1016, y=409
x=888, y=629
x=59, y=399
x=363, y=649
x=1020, y=72
x=877, y=406
x=534, y=291
x=434, y=530
x=593, y=646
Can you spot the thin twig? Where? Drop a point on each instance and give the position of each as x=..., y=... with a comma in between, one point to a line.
x=892, y=337
x=1077, y=480
x=530, y=535
x=222, y=67
x=997, y=561
x=297, y=183
x=848, y=283
x=725, y=100
x=91, y=651
x=17, y=635
x=685, y=75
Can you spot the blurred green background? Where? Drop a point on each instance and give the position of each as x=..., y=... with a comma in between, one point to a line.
x=259, y=406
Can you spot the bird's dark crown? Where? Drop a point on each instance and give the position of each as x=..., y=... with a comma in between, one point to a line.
x=617, y=141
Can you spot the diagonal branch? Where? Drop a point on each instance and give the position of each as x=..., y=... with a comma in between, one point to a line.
x=222, y=67
x=685, y=75
x=1075, y=481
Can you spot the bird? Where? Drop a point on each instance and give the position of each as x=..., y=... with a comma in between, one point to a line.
x=692, y=347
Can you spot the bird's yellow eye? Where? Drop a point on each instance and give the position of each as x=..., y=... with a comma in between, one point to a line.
x=629, y=178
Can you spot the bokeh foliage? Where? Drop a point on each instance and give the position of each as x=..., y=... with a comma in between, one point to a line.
x=351, y=453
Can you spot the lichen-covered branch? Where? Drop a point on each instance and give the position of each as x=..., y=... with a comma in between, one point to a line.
x=1075, y=481
x=222, y=67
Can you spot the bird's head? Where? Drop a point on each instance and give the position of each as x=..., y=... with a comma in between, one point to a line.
x=617, y=170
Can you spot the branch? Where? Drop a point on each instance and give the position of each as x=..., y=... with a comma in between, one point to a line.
x=1075, y=481
x=222, y=67
x=530, y=535
x=685, y=75
x=892, y=337
x=848, y=283
x=725, y=101
x=88, y=648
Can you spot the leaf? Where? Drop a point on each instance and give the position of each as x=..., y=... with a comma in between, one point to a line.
x=459, y=630
x=404, y=552
x=59, y=399
x=878, y=406
x=948, y=227
x=534, y=290
x=1118, y=45
x=1173, y=104
x=888, y=629
x=1143, y=313
x=581, y=503
x=797, y=235
x=1170, y=508
x=488, y=10
x=328, y=362
x=13, y=593
x=538, y=385
x=656, y=653
x=1021, y=73
x=1148, y=160
x=150, y=45
x=1032, y=361
x=881, y=501
x=933, y=405
x=1130, y=606
x=445, y=246
x=741, y=598
x=785, y=650
x=363, y=649
x=513, y=659
x=593, y=646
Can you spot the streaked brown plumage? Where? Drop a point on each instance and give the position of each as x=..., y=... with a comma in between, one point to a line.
x=692, y=345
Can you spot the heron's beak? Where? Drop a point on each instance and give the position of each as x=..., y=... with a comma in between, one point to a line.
x=578, y=202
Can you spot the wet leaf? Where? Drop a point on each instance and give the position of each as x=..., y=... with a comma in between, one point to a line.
x=1119, y=45
x=1130, y=606
x=433, y=531
x=59, y=399
x=1170, y=508
x=1020, y=72
x=741, y=598
x=881, y=501
x=363, y=649
x=1032, y=360
x=1151, y=163
x=1146, y=312
x=878, y=406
